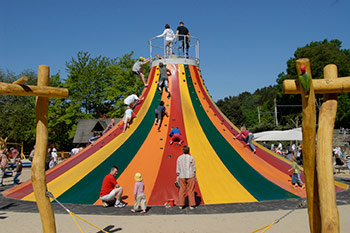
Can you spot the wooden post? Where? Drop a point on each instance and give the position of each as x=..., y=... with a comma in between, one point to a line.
x=38, y=165
x=309, y=160
x=328, y=112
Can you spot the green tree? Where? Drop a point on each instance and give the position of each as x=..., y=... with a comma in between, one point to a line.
x=87, y=81
x=63, y=118
x=231, y=107
x=17, y=113
x=97, y=87
x=320, y=54
x=124, y=82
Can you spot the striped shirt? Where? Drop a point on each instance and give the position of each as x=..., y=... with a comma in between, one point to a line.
x=185, y=166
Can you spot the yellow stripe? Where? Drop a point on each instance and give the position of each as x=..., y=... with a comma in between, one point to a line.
x=217, y=184
x=65, y=181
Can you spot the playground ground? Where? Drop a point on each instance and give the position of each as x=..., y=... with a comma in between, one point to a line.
x=18, y=216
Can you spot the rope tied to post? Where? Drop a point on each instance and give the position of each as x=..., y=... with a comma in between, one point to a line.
x=49, y=194
x=300, y=205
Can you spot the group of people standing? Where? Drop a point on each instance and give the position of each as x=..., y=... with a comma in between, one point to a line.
x=182, y=35
x=4, y=162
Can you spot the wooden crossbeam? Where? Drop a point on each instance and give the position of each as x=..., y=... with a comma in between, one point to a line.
x=321, y=86
x=30, y=90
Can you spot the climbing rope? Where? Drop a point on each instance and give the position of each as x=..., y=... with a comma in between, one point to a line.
x=301, y=205
x=73, y=214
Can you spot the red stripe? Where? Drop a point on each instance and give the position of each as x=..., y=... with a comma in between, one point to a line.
x=164, y=188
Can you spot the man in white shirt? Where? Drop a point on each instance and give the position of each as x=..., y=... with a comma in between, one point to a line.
x=186, y=176
x=132, y=100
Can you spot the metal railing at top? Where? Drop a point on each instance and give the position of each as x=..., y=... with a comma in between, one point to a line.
x=158, y=48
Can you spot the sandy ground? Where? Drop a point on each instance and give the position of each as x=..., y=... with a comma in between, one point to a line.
x=241, y=222
x=297, y=221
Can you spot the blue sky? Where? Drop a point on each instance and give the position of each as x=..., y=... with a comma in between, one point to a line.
x=244, y=45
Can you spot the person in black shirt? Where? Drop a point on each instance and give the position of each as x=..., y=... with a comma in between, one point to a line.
x=163, y=79
x=184, y=38
x=160, y=112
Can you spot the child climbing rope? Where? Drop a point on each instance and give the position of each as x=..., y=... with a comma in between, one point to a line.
x=247, y=137
x=137, y=68
x=129, y=113
x=160, y=112
x=175, y=135
x=163, y=79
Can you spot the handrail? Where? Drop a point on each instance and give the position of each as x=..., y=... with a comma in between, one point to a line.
x=156, y=47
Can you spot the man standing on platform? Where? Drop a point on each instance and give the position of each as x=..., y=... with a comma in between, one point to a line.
x=186, y=176
x=184, y=38
x=111, y=190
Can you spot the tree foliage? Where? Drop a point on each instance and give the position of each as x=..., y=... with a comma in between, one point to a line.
x=231, y=107
x=320, y=54
x=97, y=87
x=17, y=113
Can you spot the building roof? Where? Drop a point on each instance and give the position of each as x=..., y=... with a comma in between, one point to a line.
x=86, y=128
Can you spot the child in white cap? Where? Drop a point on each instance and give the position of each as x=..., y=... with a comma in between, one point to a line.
x=140, y=198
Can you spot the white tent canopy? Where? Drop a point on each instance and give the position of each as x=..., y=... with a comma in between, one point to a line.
x=278, y=135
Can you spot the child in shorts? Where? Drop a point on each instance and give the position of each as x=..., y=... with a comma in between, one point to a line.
x=129, y=113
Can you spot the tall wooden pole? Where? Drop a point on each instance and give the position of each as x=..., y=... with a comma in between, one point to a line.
x=38, y=165
x=328, y=204
x=309, y=160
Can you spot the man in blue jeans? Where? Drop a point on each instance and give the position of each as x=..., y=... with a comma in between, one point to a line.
x=184, y=38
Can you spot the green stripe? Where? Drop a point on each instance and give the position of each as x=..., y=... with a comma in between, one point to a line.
x=87, y=190
x=254, y=182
